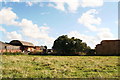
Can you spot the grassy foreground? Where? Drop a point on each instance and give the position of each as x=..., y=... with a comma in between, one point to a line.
x=29, y=66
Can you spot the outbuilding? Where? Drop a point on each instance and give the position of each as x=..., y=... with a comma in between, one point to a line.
x=25, y=46
x=108, y=47
x=8, y=48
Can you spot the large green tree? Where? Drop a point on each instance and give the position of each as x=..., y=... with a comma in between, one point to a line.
x=69, y=46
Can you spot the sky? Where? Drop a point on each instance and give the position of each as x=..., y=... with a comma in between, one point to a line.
x=42, y=22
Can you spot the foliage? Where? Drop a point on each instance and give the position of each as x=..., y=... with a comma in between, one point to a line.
x=27, y=66
x=69, y=46
x=91, y=52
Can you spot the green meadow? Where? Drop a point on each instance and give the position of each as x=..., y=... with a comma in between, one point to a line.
x=29, y=66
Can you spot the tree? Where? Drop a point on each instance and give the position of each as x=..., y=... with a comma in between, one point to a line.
x=68, y=46
x=60, y=44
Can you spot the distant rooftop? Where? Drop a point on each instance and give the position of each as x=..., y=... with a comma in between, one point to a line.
x=23, y=43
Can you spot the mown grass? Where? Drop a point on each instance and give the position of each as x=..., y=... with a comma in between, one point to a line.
x=29, y=66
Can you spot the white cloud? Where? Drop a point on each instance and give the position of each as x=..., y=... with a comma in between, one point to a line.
x=89, y=20
x=73, y=5
x=28, y=28
x=33, y=31
x=92, y=3
x=104, y=34
x=90, y=40
x=8, y=17
x=10, y=0
x=43, y=28
x=15, y=0
x=11, y=35
x=2, y=29
x=29, y=3
x=60, y=5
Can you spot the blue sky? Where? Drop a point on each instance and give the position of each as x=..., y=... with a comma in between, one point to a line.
x=42, y=22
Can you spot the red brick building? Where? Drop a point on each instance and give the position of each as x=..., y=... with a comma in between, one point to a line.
x=108, y=47
x=8, y=48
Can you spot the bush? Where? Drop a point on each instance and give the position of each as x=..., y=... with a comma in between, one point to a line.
x=91, y=52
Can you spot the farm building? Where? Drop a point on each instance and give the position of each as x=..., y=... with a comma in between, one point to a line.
x=21, y=46
x=108, y=47
x=38, y=49
x=25, y=46
x=8, y=48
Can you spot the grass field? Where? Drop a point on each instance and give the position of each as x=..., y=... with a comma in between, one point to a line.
x=29, y=66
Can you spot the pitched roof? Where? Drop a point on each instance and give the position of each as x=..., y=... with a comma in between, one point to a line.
x=24, y=43
x=1, y=42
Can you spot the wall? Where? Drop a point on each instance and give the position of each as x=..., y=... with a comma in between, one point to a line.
x=108, y=47
x=8, y=48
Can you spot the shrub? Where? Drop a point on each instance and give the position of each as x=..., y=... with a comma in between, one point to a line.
x=91, y=52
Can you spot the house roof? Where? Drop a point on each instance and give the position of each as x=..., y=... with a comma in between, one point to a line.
x=26, y=43
x=23, y=43
x=104, y=41
x=2, y=43
x=109, y=40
